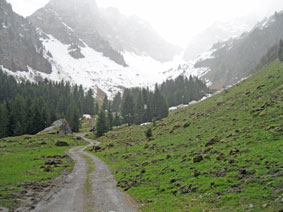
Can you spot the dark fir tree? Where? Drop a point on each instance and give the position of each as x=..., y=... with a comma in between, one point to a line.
x=140, y=109
x=105, y=103
x=127, y=109
x=96, y=108
x=4, y=120
x=109, y=118
x=101, y=124
x=117, y=120
x=280, y=53
x=117, y=102
x=27, y=108
x=89, y=103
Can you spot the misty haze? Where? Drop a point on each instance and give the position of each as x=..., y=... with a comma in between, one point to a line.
x=126, y=106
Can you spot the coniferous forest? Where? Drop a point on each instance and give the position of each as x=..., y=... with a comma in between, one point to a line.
x=183, y=90
x=27, y=108
x=140, y=105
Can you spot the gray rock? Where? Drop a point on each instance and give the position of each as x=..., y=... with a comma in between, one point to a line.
x=2, y=209
x=60, y=125
x=61, y=143
x=198, y=159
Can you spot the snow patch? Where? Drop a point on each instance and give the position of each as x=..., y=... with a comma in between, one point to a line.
x=87, y=116
x=145, y=124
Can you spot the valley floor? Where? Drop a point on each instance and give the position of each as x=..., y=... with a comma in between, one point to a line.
x=90, y=187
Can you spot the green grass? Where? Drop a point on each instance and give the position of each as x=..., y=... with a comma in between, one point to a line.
x=22, y=161
x=161, y=173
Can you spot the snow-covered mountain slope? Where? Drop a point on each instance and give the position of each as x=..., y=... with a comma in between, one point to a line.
x=76, y=39
x=94, y=70
x=218, y=32
x=228, y=62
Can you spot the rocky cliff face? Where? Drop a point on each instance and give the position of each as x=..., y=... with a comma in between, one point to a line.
x=80, y=23
x=20, y=47
x=238, y=58
x=75, y=23
x=218, y=32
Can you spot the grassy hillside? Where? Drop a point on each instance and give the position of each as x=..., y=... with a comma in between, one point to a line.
x=223, y=154
x=29, y=163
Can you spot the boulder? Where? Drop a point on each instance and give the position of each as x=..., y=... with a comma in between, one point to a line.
x=65, y=128
x=61, y=125
x=62, y=143
x=234, y=151
x=198, y=159
x=212, y=141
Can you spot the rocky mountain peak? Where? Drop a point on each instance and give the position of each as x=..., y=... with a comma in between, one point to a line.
x=20, y=47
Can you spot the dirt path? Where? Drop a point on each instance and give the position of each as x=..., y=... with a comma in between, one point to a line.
x=86, y=191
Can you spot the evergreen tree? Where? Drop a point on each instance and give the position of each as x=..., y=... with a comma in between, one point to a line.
x=18, y=116
x=96, y=108
x=89, y=103
x=105, y=103
x=160, y=107
x=26, y=113
x=117, y=120
x=4, y=120
x=110, y=118
x=36, y=115
x=140, y=109
x=76, y=120
x=101, y=125
x=280, y=53
x=127, y=110
x=117, y=102
x=73, y=117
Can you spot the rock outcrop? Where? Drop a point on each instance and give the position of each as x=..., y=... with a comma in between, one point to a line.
x=20, y=47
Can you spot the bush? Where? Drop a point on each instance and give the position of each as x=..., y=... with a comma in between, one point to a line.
x=148, y=133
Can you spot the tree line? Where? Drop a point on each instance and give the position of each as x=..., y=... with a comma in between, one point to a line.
x=141, y=105
x=135, y=106
x=183, y=90
x=27, y=108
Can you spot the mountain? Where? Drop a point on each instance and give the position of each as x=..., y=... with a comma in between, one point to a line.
x=74, y=22
x=20, y=46
x=99, y=48
x=238, y=58
x=218, y=32
x=132, y=34
x=227, y=62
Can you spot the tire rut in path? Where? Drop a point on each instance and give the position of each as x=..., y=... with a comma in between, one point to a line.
x=103, y=196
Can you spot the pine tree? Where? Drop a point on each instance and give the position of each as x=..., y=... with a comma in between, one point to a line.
x=110, y=118
x=160, y=107
x=4, y=120
x=140, y=109
x=76, y=120
x=73, y=117
x=101, y=127
x=117, y=120
x=89, y=103
x=18, y=116
x=35, y=117
x=96, y=109
x=105, y=103
x=280, y=53
x=127, y=110
x=117, y=102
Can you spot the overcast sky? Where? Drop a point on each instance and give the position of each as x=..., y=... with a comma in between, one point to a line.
x=177, y=20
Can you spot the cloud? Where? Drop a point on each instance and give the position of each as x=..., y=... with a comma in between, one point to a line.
x=177, y=20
